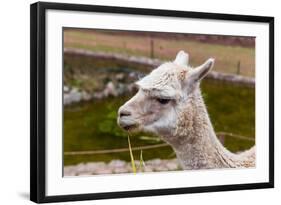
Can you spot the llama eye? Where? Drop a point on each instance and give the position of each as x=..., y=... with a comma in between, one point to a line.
x=163, y=101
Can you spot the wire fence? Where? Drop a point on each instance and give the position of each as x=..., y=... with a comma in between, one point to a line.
x=221, y=136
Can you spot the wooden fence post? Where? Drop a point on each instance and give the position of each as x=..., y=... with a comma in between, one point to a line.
x=238, y=67
x=151, y=48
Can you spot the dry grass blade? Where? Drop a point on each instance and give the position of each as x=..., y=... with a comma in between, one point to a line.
x=132, y=156
x=142, y=164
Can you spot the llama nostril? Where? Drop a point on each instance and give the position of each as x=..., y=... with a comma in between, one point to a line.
x=124, y=113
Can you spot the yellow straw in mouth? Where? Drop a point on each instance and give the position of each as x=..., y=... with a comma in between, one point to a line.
x=132, y=156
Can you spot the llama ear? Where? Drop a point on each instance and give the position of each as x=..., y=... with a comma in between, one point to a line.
x=201, y=71
x=182, y=58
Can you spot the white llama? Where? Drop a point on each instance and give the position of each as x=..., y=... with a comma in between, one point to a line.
x=169, y=104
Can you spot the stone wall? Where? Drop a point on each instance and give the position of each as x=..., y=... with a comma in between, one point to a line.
x=74, y=95
x=232, y=78
x=119, y=166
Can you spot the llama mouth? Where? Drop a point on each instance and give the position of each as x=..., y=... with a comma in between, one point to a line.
x=127, y=124
x=129, y=127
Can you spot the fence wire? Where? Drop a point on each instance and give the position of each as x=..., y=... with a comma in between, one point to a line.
x=108, y=151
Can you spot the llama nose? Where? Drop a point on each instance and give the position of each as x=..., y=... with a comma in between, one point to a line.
x=124, y=113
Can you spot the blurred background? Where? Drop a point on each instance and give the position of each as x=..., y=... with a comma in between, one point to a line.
x=100, y=67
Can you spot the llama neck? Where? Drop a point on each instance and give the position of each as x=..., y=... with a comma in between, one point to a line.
x=195, y=141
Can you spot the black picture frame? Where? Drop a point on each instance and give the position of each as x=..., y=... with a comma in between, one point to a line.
x=38, y=100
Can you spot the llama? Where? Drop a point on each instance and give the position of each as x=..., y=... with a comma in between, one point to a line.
x=169, y=104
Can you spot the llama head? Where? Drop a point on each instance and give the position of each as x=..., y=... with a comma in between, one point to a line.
x=162, y=96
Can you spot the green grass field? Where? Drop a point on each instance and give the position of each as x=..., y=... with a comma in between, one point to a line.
x=227, y=57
